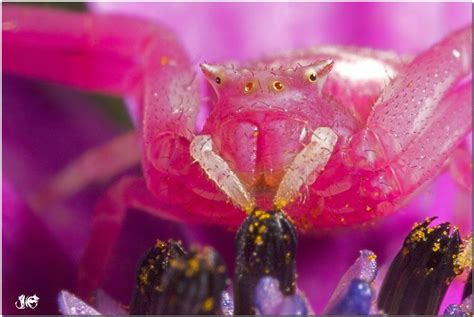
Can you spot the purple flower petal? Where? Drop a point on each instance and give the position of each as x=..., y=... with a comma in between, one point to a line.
x=107, y=305
x=363, y=269
x=270, y=301
x=227, y=304
x=268, y=296
x=71, y=305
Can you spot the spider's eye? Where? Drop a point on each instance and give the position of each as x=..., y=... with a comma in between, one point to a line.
x=218, y=80
x=311, y=75
x=249, y=87
x=277, y=85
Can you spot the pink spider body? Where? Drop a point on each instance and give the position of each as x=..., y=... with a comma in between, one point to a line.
x=332, y=135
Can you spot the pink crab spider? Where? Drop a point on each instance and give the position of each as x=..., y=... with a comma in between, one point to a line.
x=332, y=135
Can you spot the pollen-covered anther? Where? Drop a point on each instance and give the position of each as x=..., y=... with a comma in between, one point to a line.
x=150, y=273
x=420, y=274
x=191, y=284
x=266, y=244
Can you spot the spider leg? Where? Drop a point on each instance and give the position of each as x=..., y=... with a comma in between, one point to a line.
x=417, y=122
x=91, y=52
x=102, y=53
x=133, y=192
x=173, y=188
x=96, y=165
x=117, y=55
x=109, y=214
x=427, y=155
x=127, y=57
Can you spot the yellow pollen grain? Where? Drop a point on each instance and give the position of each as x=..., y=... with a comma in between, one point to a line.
x=372, y=257
x=208, y=304
x=264, y=216
x=193, y=266
x=435, y=247
x=258, y=240
x=248, y=209
x=262, y=229
x=160, y=244
x=280, y=203
x=143, y=277
x=251, y=228
x=164, y=60
x=464, y=257
x=418, y=236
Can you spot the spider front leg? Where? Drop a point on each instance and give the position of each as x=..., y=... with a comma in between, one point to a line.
x=135, y=59
x=417, y=122
x=171, y=182
x=96, y=165
x=108, y=54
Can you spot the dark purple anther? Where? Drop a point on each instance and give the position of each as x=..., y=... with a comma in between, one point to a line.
x=266, y=245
